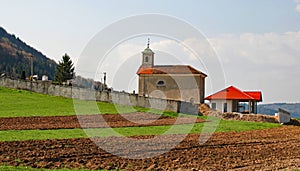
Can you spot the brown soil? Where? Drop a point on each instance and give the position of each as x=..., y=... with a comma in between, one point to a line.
x=271, y=149
x=91, y=121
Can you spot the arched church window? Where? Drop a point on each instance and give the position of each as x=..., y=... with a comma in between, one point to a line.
x=147, y=59
x=161, y=83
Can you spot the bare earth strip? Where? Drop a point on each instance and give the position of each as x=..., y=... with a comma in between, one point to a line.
x=91, y=121
x=270, y=149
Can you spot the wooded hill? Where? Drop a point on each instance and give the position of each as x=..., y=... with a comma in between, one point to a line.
x=15, y=57
x=271, y=109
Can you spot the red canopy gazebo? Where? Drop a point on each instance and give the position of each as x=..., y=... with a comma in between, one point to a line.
x=229, y=99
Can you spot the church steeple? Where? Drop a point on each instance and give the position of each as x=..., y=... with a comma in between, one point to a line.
x=148, y=43
x=148, y=56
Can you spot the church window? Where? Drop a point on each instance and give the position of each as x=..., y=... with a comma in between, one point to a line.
x=147, y=59
x=161, y=83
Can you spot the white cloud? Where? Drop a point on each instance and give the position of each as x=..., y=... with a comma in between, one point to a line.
x=268, y=62
x=297, y=5
x=176, y=52
x=200, y=48
x=187, y=51
x=259, y=49
x=127, y=50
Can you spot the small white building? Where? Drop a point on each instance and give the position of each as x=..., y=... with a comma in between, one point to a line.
x=44, y=78
x=232, y=99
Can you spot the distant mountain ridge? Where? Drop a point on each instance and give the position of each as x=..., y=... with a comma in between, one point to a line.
x=15, y=57
x=271, y=109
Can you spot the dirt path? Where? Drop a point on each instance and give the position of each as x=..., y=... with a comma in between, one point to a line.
x=271, y=149
x=90, y=121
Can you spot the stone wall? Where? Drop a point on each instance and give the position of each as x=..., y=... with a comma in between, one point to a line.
x=46, y=87
x=283, y=116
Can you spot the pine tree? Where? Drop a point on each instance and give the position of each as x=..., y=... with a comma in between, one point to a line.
x=64, y=70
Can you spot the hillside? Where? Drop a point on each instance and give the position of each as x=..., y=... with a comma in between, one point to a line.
x=270, y=109
x=15, y=57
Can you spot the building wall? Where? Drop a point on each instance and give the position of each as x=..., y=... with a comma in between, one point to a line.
x=46, y=87
x=184, y=87
x=150, y=56
x=283, y=116
x=220, y=105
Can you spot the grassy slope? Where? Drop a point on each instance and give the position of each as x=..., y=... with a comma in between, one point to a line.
x=23, y=103
x=16, y=103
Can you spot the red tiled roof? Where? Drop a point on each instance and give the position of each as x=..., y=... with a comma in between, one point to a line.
x=169, y=69
x=257, y=95
x=232, y=93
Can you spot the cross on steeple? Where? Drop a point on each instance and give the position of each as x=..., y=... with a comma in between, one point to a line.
x=148, y=43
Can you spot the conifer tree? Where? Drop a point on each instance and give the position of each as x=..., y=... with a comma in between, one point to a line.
x=64, y=70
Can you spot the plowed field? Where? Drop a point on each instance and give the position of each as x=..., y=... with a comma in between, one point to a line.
x=90, y=121
x=270, y=149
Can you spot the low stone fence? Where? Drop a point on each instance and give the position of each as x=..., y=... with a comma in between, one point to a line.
x=283, y=116
x=122, y=98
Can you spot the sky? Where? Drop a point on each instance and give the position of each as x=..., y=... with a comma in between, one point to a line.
x=256, y=41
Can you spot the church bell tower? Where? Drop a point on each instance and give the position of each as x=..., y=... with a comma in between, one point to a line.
x=148, y=57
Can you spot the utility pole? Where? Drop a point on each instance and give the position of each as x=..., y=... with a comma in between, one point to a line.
x=31, y=63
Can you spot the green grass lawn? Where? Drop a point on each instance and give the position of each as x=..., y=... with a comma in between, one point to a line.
x=224, y=126
x=16, y=103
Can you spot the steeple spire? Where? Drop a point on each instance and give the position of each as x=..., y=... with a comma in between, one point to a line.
x=148, y=56
x=148, y=43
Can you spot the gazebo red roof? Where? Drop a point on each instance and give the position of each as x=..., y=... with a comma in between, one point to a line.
x=233, y=93
x=169, y=69
x=257, y=95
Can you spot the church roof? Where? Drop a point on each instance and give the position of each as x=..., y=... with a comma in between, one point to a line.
x=148, y=50
x=169, y=69
x=233, y=93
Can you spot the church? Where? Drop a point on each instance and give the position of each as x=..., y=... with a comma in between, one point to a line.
x=174, y=82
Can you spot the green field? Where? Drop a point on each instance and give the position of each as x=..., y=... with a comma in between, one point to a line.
x=16, y=103
x=224, y=126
